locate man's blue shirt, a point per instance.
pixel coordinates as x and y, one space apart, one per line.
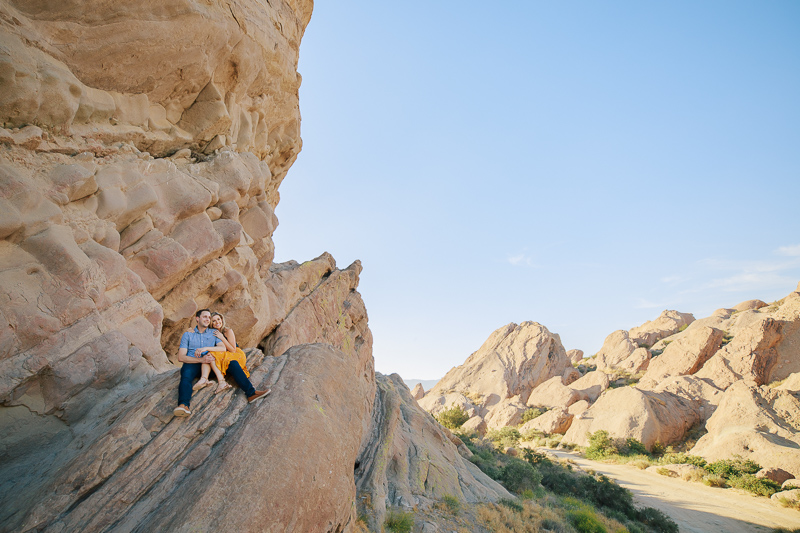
192 340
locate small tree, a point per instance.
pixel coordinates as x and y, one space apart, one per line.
453 418
532 413
600 445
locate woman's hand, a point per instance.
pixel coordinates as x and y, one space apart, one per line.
218 334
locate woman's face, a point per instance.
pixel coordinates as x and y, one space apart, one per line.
216 322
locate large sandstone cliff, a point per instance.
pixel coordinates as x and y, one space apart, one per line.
142 145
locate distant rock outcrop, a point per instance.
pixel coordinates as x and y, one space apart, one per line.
500 376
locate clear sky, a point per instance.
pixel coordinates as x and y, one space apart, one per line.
581 164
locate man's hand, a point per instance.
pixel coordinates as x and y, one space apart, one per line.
208 358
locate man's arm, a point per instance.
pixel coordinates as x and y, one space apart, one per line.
183 358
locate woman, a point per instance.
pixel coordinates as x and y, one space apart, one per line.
232 351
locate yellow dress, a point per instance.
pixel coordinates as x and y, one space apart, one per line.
224 359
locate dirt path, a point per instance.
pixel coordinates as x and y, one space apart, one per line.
694 506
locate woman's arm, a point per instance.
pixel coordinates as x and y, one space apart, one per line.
229 346
230 340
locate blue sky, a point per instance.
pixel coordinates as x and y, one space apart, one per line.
584 165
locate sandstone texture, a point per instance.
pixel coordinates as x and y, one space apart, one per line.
553 421
142 147
418 393
411 461
500 376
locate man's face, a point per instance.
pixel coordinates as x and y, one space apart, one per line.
204 319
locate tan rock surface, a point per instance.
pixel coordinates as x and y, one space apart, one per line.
409 459
616 347
685 355
575 356
592 384
749 305
553 421
553 393
629 412
578 407
667 323
758 423
778 475
418 393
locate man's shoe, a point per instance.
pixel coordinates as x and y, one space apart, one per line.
258 395
181 411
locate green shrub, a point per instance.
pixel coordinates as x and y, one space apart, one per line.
585 521
683 327
714 480
682 459
534 457
729 468
451 503
518 475
453 418
399 522
511 504
504 437
634 447
656 520
600 445
657 448
532 413
750 483
664 471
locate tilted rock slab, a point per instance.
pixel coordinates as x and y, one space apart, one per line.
409 460
686 355
629 412
261 467
756 422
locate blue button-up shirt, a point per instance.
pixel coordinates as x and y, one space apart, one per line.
192 340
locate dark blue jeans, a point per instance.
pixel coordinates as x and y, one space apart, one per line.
191 371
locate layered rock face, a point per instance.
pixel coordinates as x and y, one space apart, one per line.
500 376
410 460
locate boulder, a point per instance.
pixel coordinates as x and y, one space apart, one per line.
778 475
756 422
475 424
554 394
592 385
685 355
628 412
638 361
616 347
512 362
667 323
578 407
789 484
575 356
436 404
570 375
553 421
791 497
409 460
418 393
699 393
749 305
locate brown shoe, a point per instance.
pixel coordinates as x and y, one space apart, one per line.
181 410
258 395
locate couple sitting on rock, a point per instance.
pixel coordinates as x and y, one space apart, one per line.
211 348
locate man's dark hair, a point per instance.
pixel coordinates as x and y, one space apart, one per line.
200 312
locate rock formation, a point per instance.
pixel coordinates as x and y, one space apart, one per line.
141 151
500 376
411 460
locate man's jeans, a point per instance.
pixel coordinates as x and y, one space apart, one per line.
191 371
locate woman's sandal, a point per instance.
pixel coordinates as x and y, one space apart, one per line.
201 384
222 387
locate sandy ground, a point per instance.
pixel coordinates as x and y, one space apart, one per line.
694 506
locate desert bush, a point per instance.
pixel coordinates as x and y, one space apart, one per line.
504 437
518 475
585 521
532 413
694 475
399 522
750 483
451 503
729 468
532 435
657 449
600 445
534 457
714 480
664 471
634 447
656 520
453 418
682 459
641 464
683 327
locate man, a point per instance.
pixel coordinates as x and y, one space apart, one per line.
193 352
